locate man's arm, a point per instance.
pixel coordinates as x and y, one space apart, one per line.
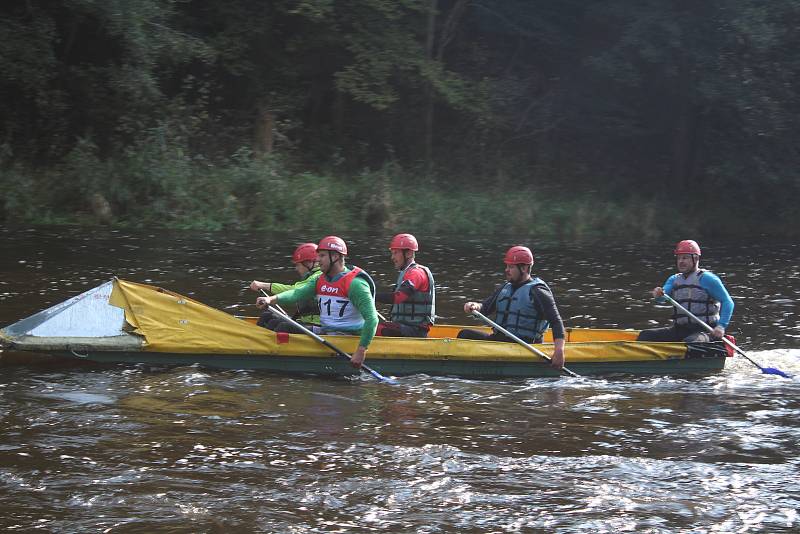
276 287
490 304
303 290
361 297
557 360
547 305
543 298
384 297
486 307
413 280
714 287
659 292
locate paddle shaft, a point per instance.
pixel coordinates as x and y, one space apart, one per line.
533 349
709 329
276 304
704 325
334 348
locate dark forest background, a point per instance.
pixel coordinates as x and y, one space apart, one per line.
569 117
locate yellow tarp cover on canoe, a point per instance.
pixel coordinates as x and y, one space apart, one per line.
170 322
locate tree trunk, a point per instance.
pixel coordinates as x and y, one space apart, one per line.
264 135
428 119
338 116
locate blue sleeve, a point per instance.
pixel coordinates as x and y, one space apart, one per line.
713 285
667 289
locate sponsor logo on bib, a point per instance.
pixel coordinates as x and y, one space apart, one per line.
329 289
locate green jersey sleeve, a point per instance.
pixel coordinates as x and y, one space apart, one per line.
361 297
303 290
278 288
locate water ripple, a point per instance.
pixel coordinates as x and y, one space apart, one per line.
152 449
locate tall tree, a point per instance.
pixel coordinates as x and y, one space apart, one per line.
78 67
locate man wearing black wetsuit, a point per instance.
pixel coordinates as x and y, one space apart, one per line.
524 306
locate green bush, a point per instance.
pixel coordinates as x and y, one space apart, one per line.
157 184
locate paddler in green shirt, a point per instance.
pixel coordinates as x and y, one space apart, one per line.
307 312
346 297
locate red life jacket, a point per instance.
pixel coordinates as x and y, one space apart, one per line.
336 312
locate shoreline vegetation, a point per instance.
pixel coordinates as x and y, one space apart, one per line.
160 187
567 120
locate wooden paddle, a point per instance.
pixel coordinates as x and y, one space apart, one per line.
765 370
330 345
531 348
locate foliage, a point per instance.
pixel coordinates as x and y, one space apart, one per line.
154 185
137 111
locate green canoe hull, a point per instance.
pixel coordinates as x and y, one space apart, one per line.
333 366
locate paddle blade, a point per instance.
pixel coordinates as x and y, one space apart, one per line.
773 371
385 379
379 376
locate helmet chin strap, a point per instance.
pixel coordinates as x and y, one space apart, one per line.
406 259
331 262
522 273
695 265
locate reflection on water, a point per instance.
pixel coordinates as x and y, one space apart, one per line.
148 449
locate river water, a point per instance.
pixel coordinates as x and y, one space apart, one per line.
89 448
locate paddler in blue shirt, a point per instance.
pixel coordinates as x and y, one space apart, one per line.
699 291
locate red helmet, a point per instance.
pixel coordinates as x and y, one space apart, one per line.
305 252
404 241
519 254
687 246
333 243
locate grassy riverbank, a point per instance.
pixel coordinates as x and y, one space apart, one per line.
162 187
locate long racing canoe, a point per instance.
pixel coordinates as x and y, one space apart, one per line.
126 322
